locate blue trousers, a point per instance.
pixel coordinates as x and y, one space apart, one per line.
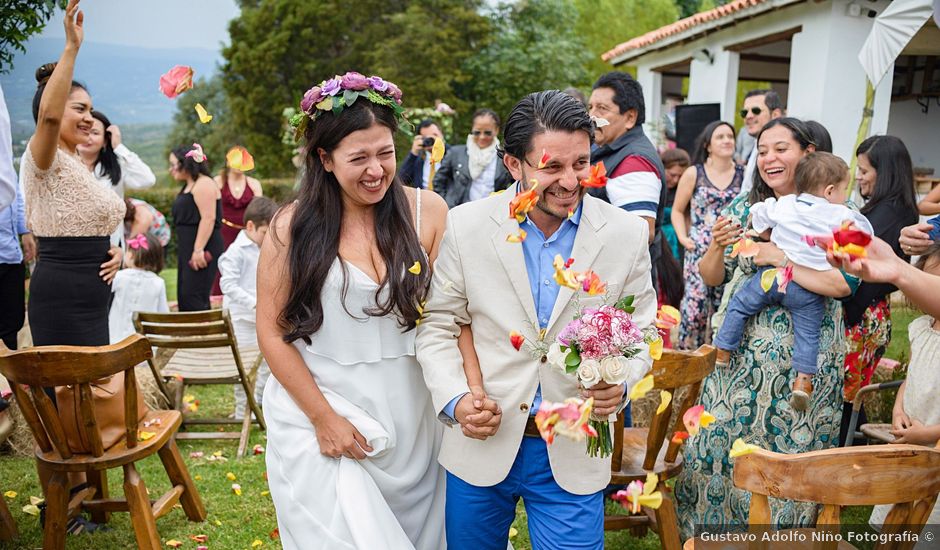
806 309
478 518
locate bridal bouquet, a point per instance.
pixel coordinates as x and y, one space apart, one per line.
599 346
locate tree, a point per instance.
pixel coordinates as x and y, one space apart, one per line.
20 19
217 136
605 23
534 47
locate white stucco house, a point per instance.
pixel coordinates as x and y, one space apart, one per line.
809 51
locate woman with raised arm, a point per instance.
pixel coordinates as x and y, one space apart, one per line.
67 209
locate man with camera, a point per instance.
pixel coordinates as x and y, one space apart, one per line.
416 167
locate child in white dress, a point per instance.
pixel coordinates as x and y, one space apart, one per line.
238 267
137 287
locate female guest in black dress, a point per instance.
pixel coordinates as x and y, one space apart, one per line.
197 217
70 213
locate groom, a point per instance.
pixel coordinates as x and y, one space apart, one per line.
496 455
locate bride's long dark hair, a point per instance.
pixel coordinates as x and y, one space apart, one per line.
315 229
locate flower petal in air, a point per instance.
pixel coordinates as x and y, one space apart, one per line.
544 160
204 116
642 387
176 81
598 177
516 340
740 448
696 418
767 279
240 159
516 237
196 153
748 248
656 349
415 268
592 284
664 399
437 151
848 234
523 202
679 437
667 317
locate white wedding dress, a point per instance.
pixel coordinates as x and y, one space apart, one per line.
366 368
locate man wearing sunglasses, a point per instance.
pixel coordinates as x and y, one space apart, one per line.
760 107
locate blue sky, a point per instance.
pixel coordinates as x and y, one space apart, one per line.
153 23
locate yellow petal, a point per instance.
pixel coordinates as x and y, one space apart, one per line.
656 349
36 501
197 477
144 436
740 448
437 151
652 480
173 543
265 493
31 509
671 312
204 116
230 476
10 494
256 543
513 532
219 523
767 279
237 489
653 501
705 419
415 268
641 388
664 399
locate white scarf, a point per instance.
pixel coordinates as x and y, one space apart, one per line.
480 158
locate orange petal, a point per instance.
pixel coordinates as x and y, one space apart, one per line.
748 248
544 160
516 237
679 437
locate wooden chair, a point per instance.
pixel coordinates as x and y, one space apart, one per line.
203 350
907 476
32 370
640 451
8 530
877 433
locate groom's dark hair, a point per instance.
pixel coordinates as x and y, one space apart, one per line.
538 112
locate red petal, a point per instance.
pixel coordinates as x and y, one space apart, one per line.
516 340
849 235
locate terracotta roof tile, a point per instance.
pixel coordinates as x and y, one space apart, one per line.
679 26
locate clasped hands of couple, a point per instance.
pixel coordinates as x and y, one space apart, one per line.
479 416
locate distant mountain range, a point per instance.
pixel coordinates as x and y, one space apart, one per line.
123 80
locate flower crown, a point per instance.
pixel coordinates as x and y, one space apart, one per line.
340 92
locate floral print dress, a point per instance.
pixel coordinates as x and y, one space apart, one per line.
750 400
700 301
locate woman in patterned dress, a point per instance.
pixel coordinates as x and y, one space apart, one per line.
712 182
749 398
886 180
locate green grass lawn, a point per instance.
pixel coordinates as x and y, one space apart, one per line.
235 521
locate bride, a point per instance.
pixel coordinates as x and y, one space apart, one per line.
352 437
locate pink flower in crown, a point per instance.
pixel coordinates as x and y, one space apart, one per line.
395 92
312 97
354 81
378 84
332 86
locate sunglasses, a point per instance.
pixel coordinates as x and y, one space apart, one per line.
755 110
487 133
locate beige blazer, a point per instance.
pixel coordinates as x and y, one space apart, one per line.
480 278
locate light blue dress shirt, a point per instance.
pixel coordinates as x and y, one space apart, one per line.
12 225
539 254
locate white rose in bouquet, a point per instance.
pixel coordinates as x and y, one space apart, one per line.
615 369
556 357
589 373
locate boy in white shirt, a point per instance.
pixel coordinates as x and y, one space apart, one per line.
816 209
238 267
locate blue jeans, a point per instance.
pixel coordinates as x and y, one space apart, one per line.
478 518
806 308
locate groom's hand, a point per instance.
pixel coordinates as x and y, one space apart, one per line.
478 422
607 397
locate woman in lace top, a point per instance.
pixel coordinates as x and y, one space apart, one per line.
70 213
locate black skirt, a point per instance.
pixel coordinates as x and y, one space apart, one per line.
68 300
